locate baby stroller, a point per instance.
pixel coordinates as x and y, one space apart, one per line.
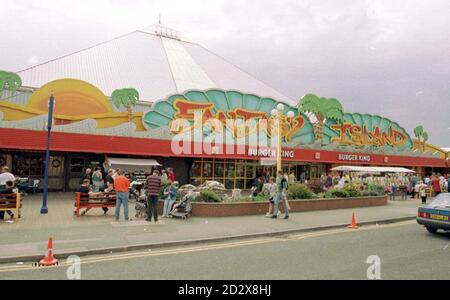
141 202
183 209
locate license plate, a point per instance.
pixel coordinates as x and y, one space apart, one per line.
439 217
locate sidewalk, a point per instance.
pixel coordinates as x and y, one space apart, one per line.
97 233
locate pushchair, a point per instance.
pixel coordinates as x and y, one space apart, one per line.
183 209
141 202
141 208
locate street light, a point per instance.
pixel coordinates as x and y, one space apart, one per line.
277 113
51 104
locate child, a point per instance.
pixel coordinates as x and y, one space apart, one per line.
423 192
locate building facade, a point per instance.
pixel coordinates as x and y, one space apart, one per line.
197 113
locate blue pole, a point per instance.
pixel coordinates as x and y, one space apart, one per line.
44 209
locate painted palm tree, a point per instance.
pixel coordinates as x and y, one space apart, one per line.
126 98
323 109
421 135
9 81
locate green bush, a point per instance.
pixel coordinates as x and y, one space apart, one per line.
374 190
299 191
258 198
207 196
367 193
337 193
353 190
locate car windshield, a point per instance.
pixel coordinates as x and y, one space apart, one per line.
442 200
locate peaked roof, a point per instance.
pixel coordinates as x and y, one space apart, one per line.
156 66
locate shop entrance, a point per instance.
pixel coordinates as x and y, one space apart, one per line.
76 168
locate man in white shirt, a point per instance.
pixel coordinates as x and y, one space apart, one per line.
6 176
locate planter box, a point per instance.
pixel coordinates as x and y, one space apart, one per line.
260 208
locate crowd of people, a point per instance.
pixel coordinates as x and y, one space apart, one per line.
160 183
404 184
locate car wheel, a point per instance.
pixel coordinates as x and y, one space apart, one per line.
431 229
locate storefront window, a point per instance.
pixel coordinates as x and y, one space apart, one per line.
219 169
240 184
207 170
240 169
196 170
230 170
76 165
28 165
250 170
229 184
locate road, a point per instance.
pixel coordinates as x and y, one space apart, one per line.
406 251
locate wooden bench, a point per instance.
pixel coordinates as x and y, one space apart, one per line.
83 200
10 202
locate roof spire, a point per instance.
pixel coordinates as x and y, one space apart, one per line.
164 31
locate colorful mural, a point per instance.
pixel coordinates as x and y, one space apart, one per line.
366 130
223 105
76 101
318 122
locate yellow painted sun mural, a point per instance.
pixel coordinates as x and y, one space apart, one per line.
75 100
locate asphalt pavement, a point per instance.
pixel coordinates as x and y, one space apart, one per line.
95 233
405 251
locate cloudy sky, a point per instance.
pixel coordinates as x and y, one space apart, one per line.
384 57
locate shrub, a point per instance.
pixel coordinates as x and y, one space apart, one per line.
258 198
316 186
352 189
207 196
374 190
337 193
299 191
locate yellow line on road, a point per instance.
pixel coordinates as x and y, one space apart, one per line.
206 247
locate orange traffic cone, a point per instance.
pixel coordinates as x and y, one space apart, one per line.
353 225
49 260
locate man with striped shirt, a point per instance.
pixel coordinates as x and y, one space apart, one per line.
153 186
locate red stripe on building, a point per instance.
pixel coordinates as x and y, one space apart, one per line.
19 139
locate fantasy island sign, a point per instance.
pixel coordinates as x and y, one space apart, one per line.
252 121
360 136
238 115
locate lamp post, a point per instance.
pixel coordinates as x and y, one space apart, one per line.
278 113
51 104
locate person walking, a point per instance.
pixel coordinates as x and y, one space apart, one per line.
121 186
282 184
153 187
171 197
272 190
435 183
423 192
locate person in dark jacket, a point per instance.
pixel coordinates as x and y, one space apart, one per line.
153 187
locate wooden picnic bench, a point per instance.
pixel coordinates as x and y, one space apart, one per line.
10 202
83 200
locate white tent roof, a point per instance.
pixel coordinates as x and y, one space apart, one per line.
372 169
131 164
156 66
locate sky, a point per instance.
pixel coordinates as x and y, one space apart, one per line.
390 58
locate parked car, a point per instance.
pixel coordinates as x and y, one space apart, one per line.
435 215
